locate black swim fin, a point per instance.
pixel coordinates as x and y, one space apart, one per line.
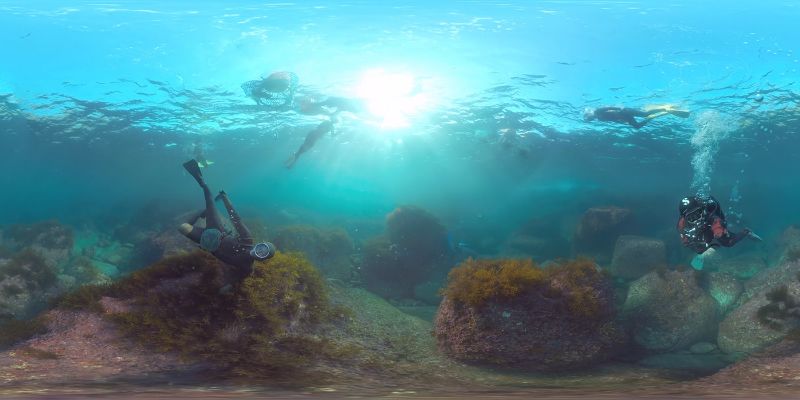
193 168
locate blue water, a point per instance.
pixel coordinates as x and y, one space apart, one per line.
474 110
119 91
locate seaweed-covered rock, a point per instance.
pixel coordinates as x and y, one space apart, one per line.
598 231
742 331
668 311
51 240
328 249
415 246
725 289
512 313
261 325
634 256
769 279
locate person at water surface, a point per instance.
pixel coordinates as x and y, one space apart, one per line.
275 90
702 225
237 250
624 115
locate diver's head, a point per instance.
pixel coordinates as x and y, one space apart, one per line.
588 114
263 251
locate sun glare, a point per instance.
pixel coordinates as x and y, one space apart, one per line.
392 97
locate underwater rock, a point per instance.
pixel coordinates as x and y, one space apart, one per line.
668 311
171 243
743 266
328 249
702 348
51 240
787 247
414 248
512 313
413 229
26 284
769 279
725 289
634 256
598 230
741 331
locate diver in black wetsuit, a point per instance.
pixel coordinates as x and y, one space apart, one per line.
702 225
629 115
330 107
237 250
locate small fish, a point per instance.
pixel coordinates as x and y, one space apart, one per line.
25 35
168 145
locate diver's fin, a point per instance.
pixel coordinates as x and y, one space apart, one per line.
193 168
680 113
666 109
290 161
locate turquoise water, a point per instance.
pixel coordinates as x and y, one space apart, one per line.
472 111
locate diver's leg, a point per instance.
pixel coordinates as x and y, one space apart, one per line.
637 124
729 240
213 219
245 237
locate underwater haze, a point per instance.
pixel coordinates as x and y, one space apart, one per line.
448 132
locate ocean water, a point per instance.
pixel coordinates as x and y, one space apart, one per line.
470 110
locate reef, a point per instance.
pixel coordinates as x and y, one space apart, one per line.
412 251
511 313
330 250
26 284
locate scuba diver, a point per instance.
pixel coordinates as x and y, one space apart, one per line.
628 116
237 250
702 225
276 90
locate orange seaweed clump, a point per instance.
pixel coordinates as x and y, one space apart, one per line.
581 279
475 282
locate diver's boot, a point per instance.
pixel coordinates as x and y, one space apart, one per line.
193 168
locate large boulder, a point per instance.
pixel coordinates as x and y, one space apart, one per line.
414 248
725 289
742 266
741 331
668 311
634 256
511 313
598 230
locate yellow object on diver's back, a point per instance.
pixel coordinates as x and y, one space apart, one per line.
205 163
